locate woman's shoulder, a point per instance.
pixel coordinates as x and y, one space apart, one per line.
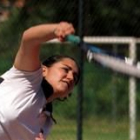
17 77
14 72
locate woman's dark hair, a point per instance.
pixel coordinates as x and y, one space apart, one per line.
56 58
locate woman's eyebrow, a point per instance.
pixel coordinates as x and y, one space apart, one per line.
68 66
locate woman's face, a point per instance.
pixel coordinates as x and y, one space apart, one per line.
62 76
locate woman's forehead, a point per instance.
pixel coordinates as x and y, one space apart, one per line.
69 63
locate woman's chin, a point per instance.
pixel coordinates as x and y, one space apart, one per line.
63 88
62 92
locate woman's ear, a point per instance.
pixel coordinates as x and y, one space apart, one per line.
44 70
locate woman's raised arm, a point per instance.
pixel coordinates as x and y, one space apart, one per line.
27 58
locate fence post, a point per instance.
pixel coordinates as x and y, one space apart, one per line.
80 87
132 94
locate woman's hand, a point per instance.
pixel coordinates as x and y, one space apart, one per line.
63 29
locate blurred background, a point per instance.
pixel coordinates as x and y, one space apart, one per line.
99 106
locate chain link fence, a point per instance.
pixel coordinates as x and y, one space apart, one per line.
105 102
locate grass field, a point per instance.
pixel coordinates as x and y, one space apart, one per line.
93 129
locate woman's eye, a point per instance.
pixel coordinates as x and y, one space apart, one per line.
66 69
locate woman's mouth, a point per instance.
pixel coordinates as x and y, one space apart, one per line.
67 83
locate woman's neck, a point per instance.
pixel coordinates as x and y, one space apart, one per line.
47 89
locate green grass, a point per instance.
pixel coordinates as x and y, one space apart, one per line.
93 129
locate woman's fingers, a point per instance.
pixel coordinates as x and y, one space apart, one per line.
63 29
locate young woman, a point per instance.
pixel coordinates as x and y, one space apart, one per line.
29 87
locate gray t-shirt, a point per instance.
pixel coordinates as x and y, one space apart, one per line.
21 102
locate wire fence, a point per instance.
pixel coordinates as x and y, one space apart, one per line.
104 111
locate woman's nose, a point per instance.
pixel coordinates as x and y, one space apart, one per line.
70 76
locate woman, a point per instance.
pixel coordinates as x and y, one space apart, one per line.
29 87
